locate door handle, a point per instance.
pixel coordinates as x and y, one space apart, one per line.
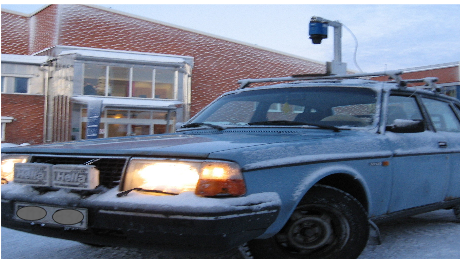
442 144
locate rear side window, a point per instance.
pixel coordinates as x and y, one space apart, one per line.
442 115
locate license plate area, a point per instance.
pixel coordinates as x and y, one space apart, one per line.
51 216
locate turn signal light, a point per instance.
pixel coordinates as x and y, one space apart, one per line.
220 179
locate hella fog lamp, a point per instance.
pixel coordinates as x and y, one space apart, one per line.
8 162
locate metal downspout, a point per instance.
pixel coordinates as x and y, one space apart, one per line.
45 109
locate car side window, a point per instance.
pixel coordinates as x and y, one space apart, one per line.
404 108
442 115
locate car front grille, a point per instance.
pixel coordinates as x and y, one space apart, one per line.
110 168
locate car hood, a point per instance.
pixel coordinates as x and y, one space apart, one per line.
246 147
189 144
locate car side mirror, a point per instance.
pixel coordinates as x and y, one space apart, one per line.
406 126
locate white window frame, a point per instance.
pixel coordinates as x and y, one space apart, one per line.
5 120
108 66
127 121
8 81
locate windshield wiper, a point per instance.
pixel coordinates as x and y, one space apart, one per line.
199 124
295 123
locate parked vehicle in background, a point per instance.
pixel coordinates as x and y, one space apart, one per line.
301 169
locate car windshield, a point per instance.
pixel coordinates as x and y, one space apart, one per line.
293 106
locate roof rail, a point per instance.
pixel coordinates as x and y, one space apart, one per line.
394 74
429 81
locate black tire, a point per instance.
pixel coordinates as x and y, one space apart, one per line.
327 224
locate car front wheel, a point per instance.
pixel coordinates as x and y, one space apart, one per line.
328 223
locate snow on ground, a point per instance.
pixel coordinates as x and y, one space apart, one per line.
434 235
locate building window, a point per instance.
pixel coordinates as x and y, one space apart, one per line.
140 82
119 81
94 83
120 122
164 84
21 85
17 85
143 83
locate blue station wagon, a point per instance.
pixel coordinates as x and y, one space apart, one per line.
300 167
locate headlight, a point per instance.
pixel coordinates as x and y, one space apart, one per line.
8 162
176 176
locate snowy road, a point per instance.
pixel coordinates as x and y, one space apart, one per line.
434 235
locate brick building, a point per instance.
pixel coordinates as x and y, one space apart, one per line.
138 76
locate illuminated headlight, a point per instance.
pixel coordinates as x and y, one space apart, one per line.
205 178
8 162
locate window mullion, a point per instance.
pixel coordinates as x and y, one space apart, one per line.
176 84
130 82
153 83
107 74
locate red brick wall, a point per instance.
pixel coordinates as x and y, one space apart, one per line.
27 111
44 34
445 75
15 34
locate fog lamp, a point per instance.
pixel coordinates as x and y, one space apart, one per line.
8 162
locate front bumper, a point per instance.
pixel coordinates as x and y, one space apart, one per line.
184 222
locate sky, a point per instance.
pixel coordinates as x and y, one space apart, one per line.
386 36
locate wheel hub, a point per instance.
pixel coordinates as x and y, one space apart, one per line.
309 232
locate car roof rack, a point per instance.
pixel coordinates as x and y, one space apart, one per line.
393 74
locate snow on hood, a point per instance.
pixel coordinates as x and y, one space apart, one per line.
251 149
188 145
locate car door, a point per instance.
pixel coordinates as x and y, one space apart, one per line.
445 117
420 163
